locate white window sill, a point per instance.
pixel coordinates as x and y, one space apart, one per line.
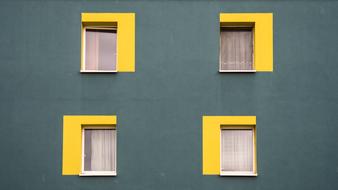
247 174
237 71
97 173
98 71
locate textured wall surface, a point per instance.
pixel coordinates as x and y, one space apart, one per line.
160 106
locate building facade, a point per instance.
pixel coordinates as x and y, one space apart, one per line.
171 97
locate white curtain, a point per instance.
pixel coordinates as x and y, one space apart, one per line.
101 151
100 49
236 50
237 150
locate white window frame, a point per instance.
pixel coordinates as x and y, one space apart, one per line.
253 51
97 173
254 162
83 66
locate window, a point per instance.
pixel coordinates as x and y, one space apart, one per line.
236 51
82 135
237 150
229 145
98 150
100 49
246 42
107 42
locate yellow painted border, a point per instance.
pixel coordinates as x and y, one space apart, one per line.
211 129
72 146
263 35
125 23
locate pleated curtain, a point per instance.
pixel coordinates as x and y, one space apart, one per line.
237 150
100 149
236 50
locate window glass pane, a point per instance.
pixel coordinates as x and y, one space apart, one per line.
237 150
91 51
236 49
99 150
100 49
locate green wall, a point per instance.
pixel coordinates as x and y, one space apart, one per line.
160 106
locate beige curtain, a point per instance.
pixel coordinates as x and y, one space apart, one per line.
237 150
236 49
100 50
100 149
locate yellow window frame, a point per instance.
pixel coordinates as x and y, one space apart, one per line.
72 139
262 24
125 23
211 142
